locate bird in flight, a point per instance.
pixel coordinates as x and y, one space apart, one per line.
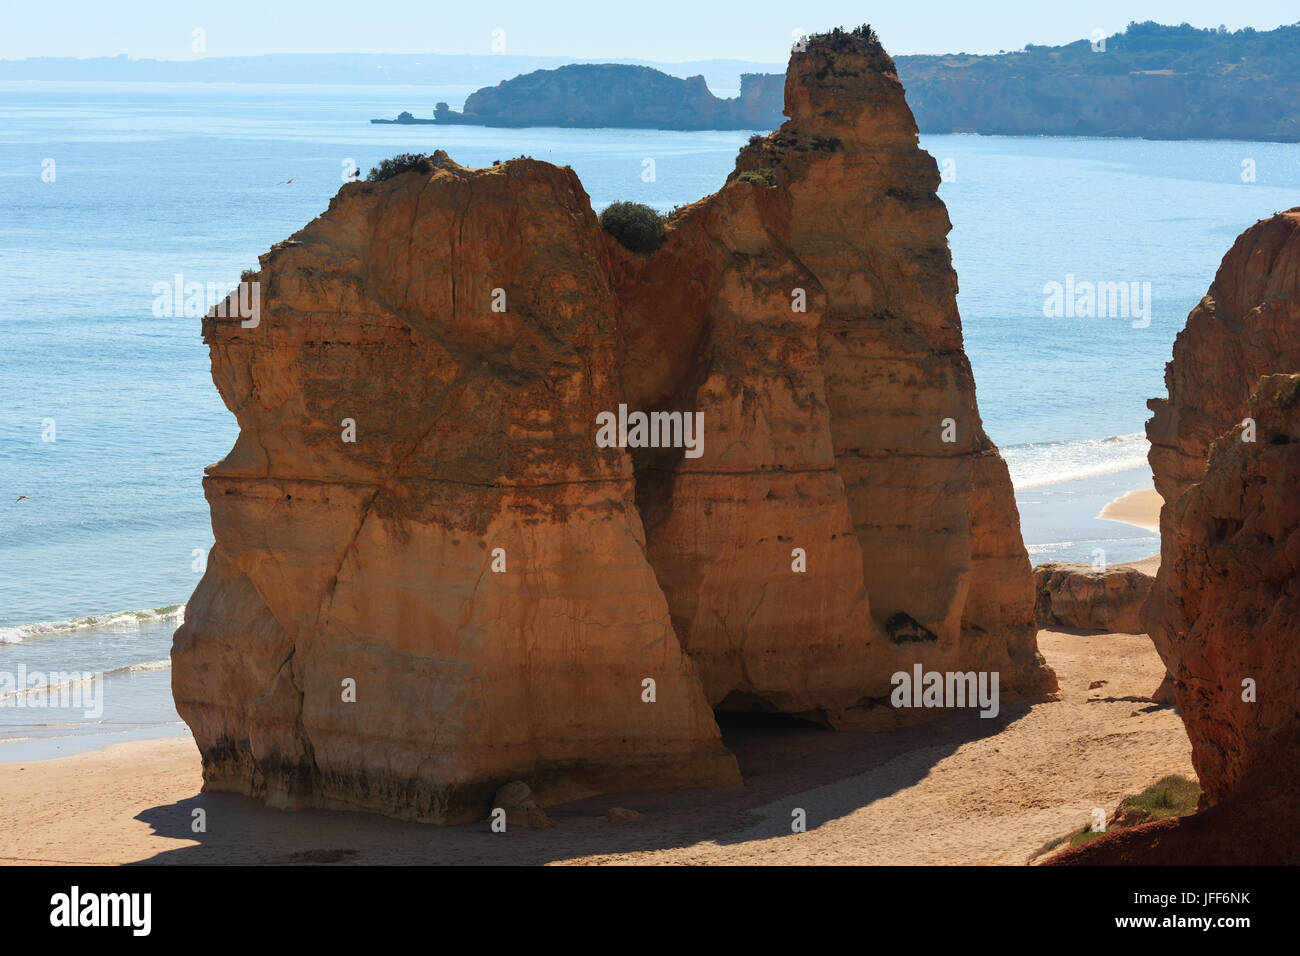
22 498
285 182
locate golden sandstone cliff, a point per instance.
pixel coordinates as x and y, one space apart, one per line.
475 590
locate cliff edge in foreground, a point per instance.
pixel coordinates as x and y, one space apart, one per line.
431 576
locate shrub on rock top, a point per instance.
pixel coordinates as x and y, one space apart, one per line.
401 163
635 225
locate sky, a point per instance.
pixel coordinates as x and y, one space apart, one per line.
664 30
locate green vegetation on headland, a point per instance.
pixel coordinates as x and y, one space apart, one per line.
1153 81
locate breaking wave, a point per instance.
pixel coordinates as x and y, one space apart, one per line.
122 619
1036 464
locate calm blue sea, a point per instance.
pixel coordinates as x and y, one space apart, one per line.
154 180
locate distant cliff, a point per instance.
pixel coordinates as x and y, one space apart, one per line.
1152 81
617 95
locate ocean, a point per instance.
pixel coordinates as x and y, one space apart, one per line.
108 414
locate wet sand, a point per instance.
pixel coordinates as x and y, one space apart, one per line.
1139 508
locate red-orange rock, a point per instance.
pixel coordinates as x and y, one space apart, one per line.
1247 325
825 430
1225 522
1231 598
1224 611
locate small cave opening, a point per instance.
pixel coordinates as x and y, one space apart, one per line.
765 742
740 714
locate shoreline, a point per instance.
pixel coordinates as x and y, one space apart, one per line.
918 795
1139 508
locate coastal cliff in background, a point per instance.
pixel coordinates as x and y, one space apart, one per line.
1151 81
1224 611
616 95
497 587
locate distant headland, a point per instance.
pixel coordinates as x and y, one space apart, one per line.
598 95
1151 81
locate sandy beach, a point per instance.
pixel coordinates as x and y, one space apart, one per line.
1140 508
961 791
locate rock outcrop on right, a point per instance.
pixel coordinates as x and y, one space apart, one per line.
1224 612
1248 325
1232 598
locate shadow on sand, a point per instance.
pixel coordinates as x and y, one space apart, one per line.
786 764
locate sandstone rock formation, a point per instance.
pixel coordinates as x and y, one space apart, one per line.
1224 611
1080 596
1231 599
1247 325
500 588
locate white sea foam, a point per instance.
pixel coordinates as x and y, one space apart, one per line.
81 679
122 619
1049 463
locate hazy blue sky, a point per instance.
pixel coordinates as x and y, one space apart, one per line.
648 29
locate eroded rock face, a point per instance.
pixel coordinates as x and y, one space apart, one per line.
1232 605
1247 325
1224 611
1079 596
1223 530
1232 598
500 588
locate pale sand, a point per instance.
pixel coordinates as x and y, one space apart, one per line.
1139 508
964 790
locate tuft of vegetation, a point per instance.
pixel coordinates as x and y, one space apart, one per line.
839 34
402 163
763 176
248 275
1171 796
635 225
